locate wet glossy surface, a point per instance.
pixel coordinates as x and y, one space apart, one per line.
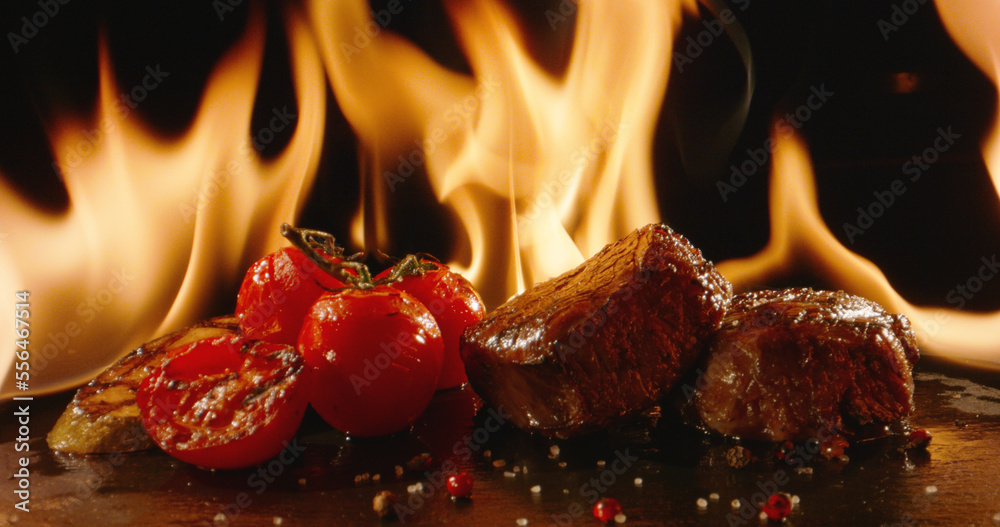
879 485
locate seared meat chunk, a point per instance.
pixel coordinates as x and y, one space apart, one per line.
786 364
601 342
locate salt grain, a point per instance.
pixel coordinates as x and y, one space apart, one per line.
277 520
637 482
562 464
565 491
499 463
537 489
931 489
522 521
517 469
600 464
996 518
620 518
714 496
763 516
554 450
221 519
735 504
377 478
804 471
509 474
702 503
796 499
399 471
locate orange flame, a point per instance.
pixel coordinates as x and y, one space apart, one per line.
153 226
800 238
518 154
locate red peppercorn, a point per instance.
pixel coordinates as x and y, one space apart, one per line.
460 485
778 506
919 438
606 509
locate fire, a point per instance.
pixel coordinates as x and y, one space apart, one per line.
800 238
541 170
154 226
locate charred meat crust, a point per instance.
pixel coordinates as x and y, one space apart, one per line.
788 363
603 341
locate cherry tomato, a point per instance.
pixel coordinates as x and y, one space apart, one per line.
606 509
276 294
374 358
455 305
224 402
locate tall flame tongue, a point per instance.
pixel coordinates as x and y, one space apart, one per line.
154 226
540 170
800 238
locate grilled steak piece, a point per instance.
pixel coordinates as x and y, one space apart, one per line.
787 364
602 342
103 416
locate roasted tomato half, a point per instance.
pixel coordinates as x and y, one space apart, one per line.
225 402
374 359
276 294
455 305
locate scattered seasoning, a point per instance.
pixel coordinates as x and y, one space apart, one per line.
554 451
931 489
738 457
735 504
460 485
600 463
762 516
362 478
376 478
565 491
517 469
420 462
804 471
833 447
620 518
785 450
277 520
499 463
415 488
702 503
487 454
845 459
996 518
221 519
524 469
509 474
562 464
384 504
537 489
606 509
399 471
637 482
714 496
795 500
778 506
522 521
302 482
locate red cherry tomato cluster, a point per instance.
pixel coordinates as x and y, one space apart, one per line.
315 328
